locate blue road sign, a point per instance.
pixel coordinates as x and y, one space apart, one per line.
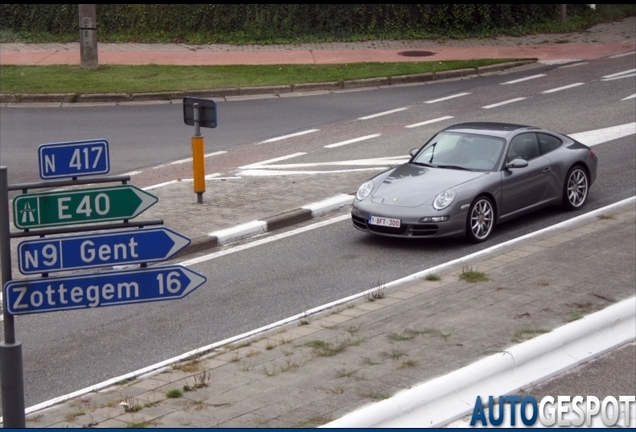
73 159
30 296
99 250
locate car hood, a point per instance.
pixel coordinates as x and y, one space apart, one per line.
412 185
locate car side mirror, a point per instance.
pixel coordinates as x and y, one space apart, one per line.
414 152
517 163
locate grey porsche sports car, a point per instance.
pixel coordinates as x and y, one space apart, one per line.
470 177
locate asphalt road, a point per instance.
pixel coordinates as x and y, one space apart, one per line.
248 289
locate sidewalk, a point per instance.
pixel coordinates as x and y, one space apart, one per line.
319 367
599 41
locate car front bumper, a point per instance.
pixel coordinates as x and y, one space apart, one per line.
411 225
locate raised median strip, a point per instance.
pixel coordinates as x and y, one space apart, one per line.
271 223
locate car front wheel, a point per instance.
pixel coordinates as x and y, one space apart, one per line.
575 188
481 220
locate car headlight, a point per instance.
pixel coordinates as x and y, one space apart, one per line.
444 199
364 190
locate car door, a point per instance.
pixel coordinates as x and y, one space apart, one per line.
523 188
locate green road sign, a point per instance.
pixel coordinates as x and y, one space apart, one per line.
80 206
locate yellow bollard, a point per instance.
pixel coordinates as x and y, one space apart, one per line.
198 167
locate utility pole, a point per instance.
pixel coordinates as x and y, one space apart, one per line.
88 36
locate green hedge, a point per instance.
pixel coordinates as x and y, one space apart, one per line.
264 22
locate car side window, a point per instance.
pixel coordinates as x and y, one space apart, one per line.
547 143
523 146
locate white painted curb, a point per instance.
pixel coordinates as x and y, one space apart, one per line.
321 207
447 398
239 232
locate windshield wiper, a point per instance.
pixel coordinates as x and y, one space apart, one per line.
457 167
422 164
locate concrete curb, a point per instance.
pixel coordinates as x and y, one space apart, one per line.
271 223
261 90
447 398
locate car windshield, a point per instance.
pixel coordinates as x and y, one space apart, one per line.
461 151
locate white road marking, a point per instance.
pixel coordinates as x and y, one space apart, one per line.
562 88
354 140
389 160
160 185
132 173
629 97
599 136
289 136
382 113
270 173
260 164
523 79
619 77
439 119
263 241
504 103
622 55
620 73
214 154
573 65
446 98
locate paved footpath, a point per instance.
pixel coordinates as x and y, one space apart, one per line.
319 367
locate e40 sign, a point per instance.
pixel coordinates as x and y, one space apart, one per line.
80 206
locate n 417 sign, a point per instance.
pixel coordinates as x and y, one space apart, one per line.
73 159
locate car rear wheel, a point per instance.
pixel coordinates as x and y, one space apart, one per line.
481 220
575 188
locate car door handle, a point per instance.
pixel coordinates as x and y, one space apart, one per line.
547 169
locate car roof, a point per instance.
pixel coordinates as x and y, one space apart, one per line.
486 128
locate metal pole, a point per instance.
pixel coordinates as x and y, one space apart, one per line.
198 160
10 350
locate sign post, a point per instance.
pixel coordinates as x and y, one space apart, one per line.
55 254
13 415
199 113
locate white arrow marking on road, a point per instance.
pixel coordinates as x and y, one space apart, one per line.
620 73
390 160
269 173
599 136
619 77
259 164
629 97
562 88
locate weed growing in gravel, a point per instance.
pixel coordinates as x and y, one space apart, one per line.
472 276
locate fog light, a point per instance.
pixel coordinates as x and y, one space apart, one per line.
434 219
